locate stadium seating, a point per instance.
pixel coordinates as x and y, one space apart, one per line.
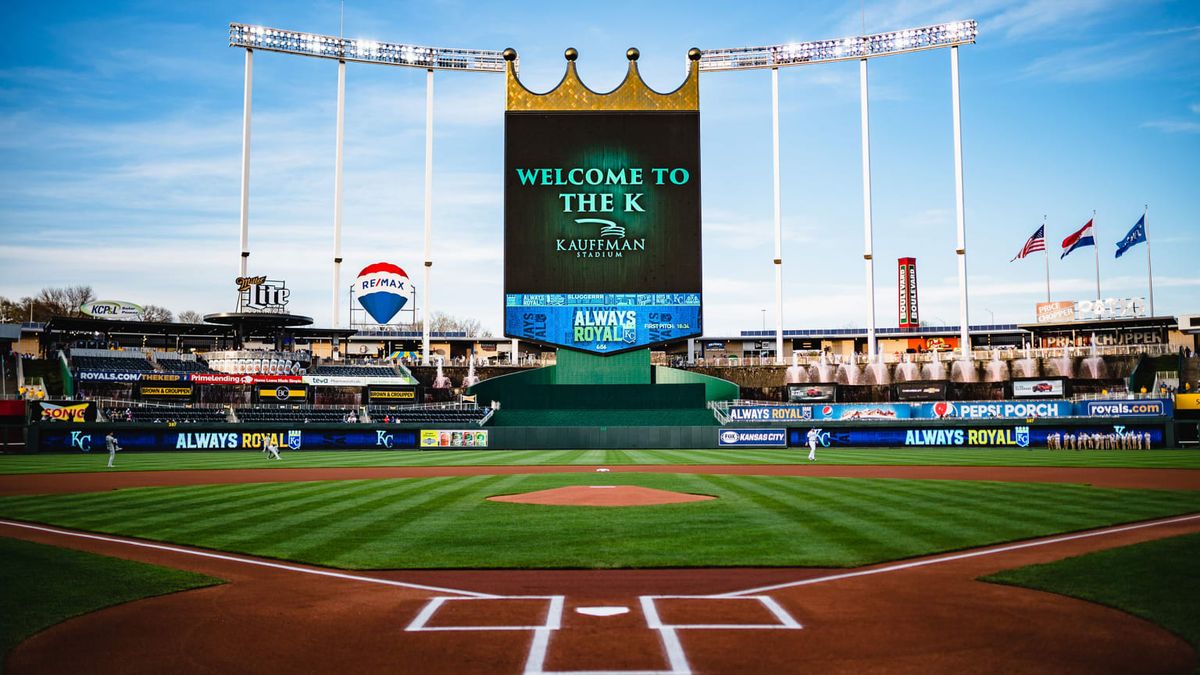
354 371
410 415
293 415
166 415
113 364
181 366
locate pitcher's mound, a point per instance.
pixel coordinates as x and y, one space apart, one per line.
601 495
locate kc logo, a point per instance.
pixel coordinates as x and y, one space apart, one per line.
383 439
81 440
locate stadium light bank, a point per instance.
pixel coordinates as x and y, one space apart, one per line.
860 48
342 49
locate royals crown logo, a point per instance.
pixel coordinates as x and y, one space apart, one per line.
632 94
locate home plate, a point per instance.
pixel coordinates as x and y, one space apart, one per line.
602 611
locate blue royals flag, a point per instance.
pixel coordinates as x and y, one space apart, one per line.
1136 236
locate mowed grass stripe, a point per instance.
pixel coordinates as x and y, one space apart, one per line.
134 461
446 522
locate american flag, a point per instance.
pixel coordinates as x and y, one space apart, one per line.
1036 243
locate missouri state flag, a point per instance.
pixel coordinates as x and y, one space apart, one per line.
1083 237
1136 236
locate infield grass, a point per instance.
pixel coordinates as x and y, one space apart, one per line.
43 585
446 522
1155 580
167 461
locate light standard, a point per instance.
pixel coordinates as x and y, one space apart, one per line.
764 320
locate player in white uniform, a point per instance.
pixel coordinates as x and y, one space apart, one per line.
813 436
272 450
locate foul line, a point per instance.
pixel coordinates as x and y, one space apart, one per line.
956 556
247 561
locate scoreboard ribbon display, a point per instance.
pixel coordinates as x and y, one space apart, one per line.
602 228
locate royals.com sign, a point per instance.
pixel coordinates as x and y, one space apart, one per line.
1132 408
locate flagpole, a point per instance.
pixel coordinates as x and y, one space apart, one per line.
1096 247
1046 251
1149 267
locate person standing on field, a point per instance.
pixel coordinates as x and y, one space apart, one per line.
813 435
272 450
110 443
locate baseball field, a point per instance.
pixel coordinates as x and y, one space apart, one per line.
569 561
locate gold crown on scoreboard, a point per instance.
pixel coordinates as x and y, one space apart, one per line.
632 94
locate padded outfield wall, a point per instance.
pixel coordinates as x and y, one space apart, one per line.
79 438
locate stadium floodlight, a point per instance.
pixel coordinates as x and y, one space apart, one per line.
365 51
860 48
905 41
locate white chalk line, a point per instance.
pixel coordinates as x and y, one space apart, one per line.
957 556
245 561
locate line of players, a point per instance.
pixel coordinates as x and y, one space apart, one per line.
1130 440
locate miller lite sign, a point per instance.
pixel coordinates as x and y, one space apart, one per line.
259 294
907 286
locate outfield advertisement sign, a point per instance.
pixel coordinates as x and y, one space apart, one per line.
454 438
1131 408
602 228
63 411
106 376
969 410
862 411
815 393
770 413
921 391
348 381
1016 436
239 438
752 438
1039 388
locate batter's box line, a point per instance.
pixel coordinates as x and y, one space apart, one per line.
553 615
786 622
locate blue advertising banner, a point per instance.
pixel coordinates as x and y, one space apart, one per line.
1131 408
978 410
1019 436
602 322
770 413
862 411
175 438
752 438
106 376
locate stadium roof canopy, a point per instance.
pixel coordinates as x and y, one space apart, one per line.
65 324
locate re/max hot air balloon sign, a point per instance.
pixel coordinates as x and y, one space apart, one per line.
383 289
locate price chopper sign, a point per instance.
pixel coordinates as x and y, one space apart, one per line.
259 294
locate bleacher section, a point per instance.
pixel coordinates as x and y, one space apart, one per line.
135 364
179 366
419 415
165 415
293 415
354 371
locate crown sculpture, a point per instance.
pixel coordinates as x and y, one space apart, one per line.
632 94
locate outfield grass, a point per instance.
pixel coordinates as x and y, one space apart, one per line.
160 461
1155 580
447 523
42 585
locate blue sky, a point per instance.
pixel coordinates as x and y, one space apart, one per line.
120 147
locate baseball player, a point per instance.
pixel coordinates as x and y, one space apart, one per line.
272 449
813 436
110 442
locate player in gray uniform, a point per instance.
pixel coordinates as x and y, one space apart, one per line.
110 443
813 436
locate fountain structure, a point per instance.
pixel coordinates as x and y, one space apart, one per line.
1026 366
1061 366
906 370
822 371
1093 366
471 379
934 370
440 381
849 373
996 370
877 371
796 373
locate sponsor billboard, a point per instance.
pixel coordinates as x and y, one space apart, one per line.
454 438
240 437
1187 401
752 438
383 289
1055 312
978 410
920 391
816 393
260 294
282 393
113 309
1122 408
907 288
385 395
1032 387
350 381
1015 436
861 411
602 228
770 413
173 392
106 376
63 411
